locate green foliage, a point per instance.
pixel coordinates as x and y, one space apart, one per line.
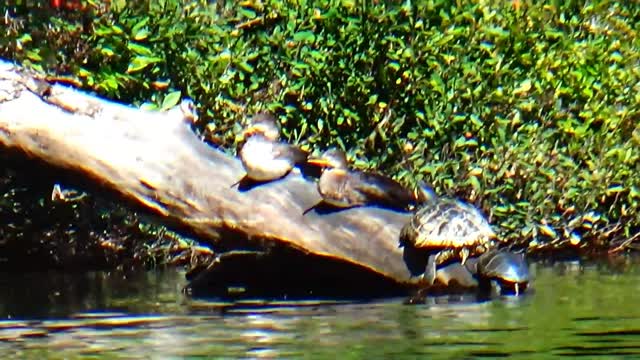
528 110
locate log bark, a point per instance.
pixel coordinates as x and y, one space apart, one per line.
155 160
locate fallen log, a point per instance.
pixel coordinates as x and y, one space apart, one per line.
155 160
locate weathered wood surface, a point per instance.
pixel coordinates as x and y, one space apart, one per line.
155 160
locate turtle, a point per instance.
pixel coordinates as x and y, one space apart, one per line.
508 269
446 229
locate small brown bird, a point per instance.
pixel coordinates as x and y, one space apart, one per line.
263 156
341 187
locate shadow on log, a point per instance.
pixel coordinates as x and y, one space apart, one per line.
154 160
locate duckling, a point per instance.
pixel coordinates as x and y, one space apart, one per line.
263 156
344 188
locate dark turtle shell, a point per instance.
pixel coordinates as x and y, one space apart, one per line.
447 223
510 270
451 228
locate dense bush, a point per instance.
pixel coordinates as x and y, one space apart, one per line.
528 110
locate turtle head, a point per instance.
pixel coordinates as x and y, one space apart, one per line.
263 124
332 159
509 269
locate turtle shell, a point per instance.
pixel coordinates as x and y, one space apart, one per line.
448 224
505 266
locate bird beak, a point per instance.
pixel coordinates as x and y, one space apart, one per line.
251 130
318 162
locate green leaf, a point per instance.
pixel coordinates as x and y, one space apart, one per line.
547 230
33 55
117 30
304 36
245 66
138 31
141 62
476 121
149 106
496 31
248 13
108 52
318 55
171 100
437 84
24 39
141 35
139 49
139 25
104 31
474 183
614 189
524 87
501 209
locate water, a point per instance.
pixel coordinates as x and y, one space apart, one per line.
573 310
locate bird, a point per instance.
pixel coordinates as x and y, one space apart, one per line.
342 187
263 156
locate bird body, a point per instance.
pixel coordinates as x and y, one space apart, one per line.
334 186
265 160
263 156
341 187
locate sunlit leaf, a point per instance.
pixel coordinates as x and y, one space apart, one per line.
547 230
141 62
245 66
171 100
304 36
139 49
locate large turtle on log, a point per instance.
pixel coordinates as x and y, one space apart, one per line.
446 229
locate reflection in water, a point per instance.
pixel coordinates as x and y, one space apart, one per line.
574 311
56 294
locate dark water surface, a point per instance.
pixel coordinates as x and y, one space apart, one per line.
574 310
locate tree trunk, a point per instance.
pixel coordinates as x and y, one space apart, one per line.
154 159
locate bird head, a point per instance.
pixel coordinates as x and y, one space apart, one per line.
263 124
332 159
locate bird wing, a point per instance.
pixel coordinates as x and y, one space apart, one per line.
382 190
290 152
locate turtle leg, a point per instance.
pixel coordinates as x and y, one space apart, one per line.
430 270
464 255
429 276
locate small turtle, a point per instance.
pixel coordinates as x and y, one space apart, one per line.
447 229
510 270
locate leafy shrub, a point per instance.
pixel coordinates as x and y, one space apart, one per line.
530 111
